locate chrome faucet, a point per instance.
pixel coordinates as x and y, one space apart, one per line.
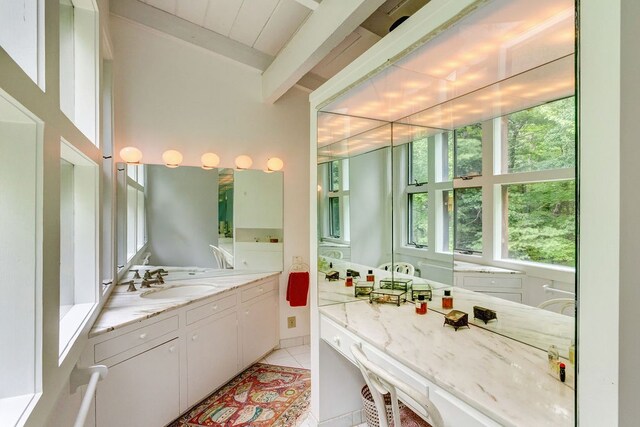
132 286
146 283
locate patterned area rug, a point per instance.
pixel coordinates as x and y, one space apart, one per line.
263 395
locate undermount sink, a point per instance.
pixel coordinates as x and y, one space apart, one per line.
178 291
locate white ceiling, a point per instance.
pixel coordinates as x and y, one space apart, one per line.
507 56
265 25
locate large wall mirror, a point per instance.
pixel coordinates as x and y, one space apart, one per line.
461 174
192 218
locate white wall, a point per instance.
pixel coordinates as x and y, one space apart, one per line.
171 94
182 215
370 207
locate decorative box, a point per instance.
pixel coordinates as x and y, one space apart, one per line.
393 296
418 289
396 284
362 288
484 314
457 319
332 275
354 273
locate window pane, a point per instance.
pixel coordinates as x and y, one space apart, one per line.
418 220
334 216
140 240
132 207
67 274
468 219
450 155
418 157
541 222
447 221
334 175
541 138
468 150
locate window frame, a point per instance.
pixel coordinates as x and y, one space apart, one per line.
327 194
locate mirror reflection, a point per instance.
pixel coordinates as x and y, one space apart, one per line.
189 218
484 209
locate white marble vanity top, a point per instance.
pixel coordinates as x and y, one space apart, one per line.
124 308
503 378
471 267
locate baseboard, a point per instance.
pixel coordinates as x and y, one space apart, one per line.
352 419
294 342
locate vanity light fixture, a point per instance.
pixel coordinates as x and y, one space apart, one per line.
243 162
209 161
274 164
172 158
131 155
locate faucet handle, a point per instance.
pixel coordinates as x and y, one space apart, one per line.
159 278
136 274
147 275
132 286
145 284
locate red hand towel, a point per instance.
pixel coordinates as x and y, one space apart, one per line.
298 288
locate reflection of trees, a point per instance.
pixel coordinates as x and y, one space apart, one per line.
468 150
468 226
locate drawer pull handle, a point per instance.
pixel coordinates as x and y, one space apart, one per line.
246 312
336 340
143 335
261 289
172 349
194 337
215 307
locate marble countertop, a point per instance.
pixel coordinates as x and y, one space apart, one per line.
470 267
124 308
501 377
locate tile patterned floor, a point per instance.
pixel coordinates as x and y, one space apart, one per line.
296 357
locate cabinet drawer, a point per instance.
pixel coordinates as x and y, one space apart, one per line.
337 337
131 339
210 309
492 282
258 290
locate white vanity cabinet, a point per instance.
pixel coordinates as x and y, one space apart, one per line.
143 390
502 283
259 322
212 355
161 366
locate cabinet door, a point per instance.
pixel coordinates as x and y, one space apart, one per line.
259 327
212 356
141 391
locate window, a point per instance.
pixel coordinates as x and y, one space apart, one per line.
467 147
447 221
78 242
20 259
468 220
136 235
334 204
541 138
418 162
418 219
22 35
334 217
79 65
539 222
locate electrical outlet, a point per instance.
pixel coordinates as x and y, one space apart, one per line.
297 260
291 322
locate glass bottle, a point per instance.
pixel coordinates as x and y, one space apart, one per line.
447 300
421 305
349 280
370 276
554 357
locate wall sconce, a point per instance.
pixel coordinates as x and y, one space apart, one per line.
172 158
131 155
274 164
243 162
209 160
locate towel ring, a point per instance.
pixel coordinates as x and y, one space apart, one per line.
299 267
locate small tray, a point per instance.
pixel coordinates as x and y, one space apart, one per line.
392 296
396 284
362 288
457 319
332 275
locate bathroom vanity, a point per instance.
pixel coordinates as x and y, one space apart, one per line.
170 346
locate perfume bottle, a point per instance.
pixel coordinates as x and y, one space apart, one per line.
370 276
349 280
447 300
562 372
554 357
421 305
